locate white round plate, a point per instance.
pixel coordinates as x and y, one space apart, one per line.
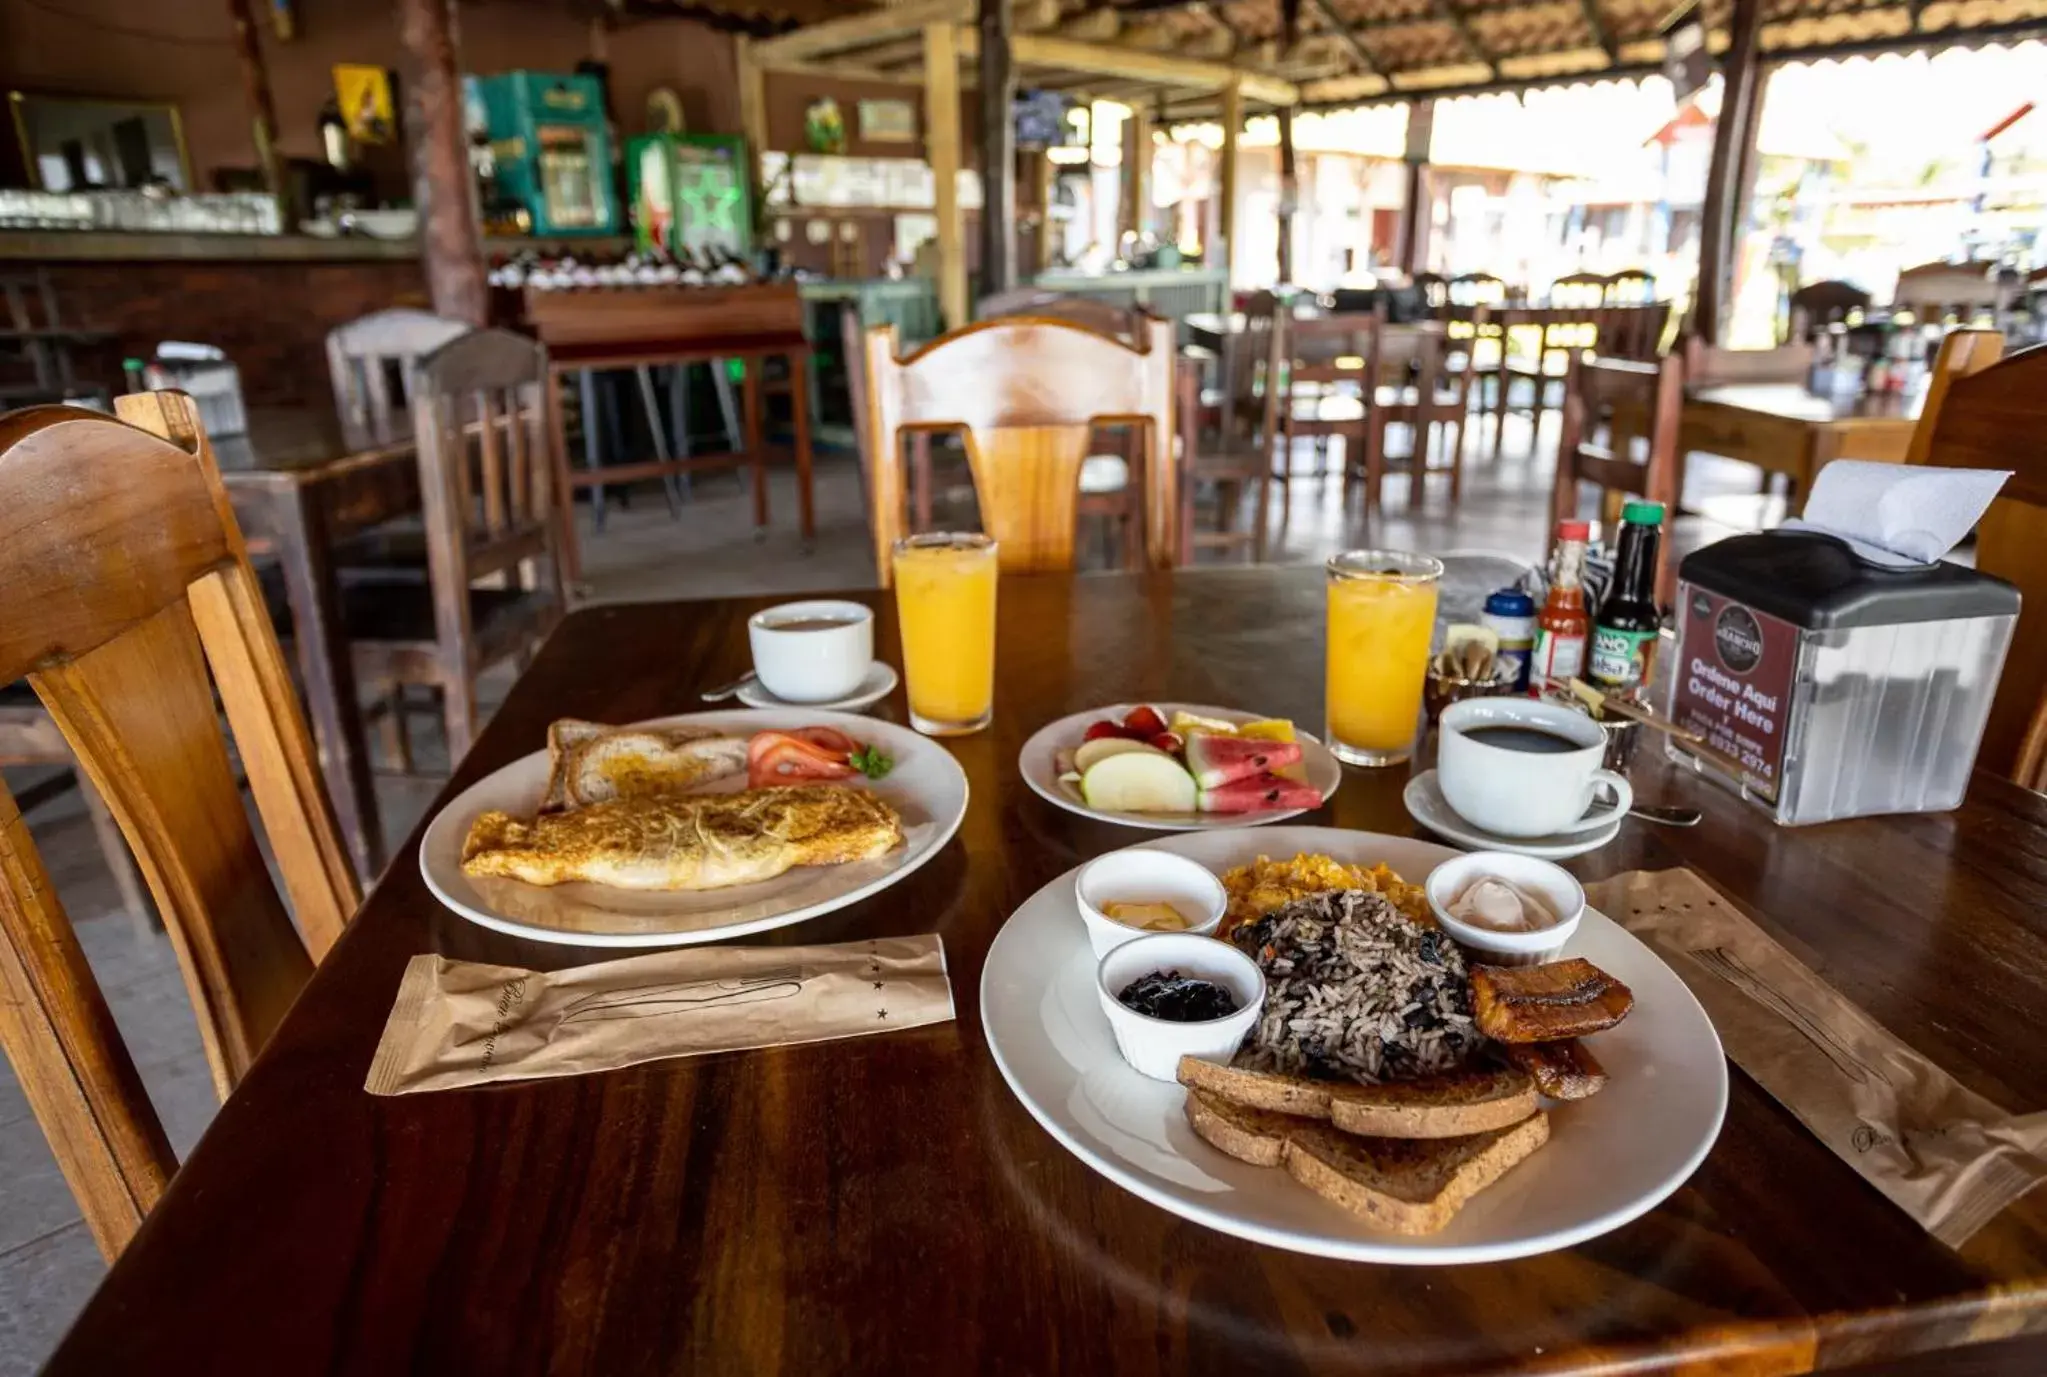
879 684
1609 1158
926 787
1427 806
1037 762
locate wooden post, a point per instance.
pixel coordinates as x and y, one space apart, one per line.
1135 191
1414 216
753 124
1226 177
262 109
998 151
1289 192
448 237
1733 134
942 139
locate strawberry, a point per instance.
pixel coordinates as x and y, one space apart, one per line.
1144 723
1169 742
1098 730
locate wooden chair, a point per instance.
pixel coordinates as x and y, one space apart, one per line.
1627 401
1238 459
492 515
36 336
1027 391
1710 365
1537 345
1815 306
1580 291
1966 292
1631 287
371 353
1326 381
1477 289
131 604
1984 411
1434 288
1413 383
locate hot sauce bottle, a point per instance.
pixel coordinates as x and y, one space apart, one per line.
1562 627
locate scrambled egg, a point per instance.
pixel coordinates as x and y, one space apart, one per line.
1257 889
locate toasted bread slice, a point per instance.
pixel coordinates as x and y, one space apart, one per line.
1562 1070
1469 1100
591 763
1405 1185
1547 1003
1472 1099
1266 1090
1257 1136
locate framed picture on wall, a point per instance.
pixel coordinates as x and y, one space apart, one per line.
888 121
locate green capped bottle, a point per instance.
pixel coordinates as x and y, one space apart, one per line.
1623 650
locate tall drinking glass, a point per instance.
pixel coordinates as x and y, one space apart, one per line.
945 604
1382 615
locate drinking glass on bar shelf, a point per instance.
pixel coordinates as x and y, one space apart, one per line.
945 605
1382 615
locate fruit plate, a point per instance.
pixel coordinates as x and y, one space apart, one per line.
1609 1158
1039 763
927 789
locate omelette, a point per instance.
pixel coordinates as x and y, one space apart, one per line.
670 842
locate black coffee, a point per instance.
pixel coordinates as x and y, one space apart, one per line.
1533 740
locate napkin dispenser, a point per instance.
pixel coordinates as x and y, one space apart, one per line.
1843 687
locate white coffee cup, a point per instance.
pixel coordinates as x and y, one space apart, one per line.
1521 793
812 652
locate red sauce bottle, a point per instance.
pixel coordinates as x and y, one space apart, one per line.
1562 627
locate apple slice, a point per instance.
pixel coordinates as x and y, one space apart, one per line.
1141 781
1102 747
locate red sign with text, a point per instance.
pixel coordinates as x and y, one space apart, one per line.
1734 682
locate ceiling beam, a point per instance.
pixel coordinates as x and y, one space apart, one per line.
1597 27
1334 23
1443 11
857 30
1142 65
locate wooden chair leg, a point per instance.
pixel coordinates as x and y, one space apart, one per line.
142 915
458 716
920 479
1456 451
1259 505
750 393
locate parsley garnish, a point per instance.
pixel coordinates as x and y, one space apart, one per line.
870 761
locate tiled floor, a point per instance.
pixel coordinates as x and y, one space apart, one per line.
48 1264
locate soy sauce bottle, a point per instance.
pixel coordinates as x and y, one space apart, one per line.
1623 649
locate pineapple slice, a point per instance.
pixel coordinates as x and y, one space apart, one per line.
1185 722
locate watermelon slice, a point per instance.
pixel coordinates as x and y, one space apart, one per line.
1258 794
1215 760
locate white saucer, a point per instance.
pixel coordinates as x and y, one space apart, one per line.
879 684
1425 803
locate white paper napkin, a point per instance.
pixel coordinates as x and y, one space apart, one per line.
1896 514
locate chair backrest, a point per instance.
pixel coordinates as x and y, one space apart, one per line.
1434 289
1817 305
854 351
1710 365
1630 287
485 466
366 356
130 605
1126 323
1256 363
1964 290
1477 289
1579 290
1026 391
1629 399
1984 411
31 301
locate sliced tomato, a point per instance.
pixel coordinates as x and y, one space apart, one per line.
829 738
785 758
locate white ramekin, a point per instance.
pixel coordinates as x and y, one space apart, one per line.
1450 879
1144 876
1154 1046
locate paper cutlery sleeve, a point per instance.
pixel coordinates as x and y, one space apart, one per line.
459 1023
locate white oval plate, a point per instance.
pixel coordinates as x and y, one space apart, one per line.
927 787
1036 761
1609 1158
1427 806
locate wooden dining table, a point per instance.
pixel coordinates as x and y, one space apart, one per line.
1788 428
885 1205
299 489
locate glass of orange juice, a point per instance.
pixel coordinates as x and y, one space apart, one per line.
945 605
1382 615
